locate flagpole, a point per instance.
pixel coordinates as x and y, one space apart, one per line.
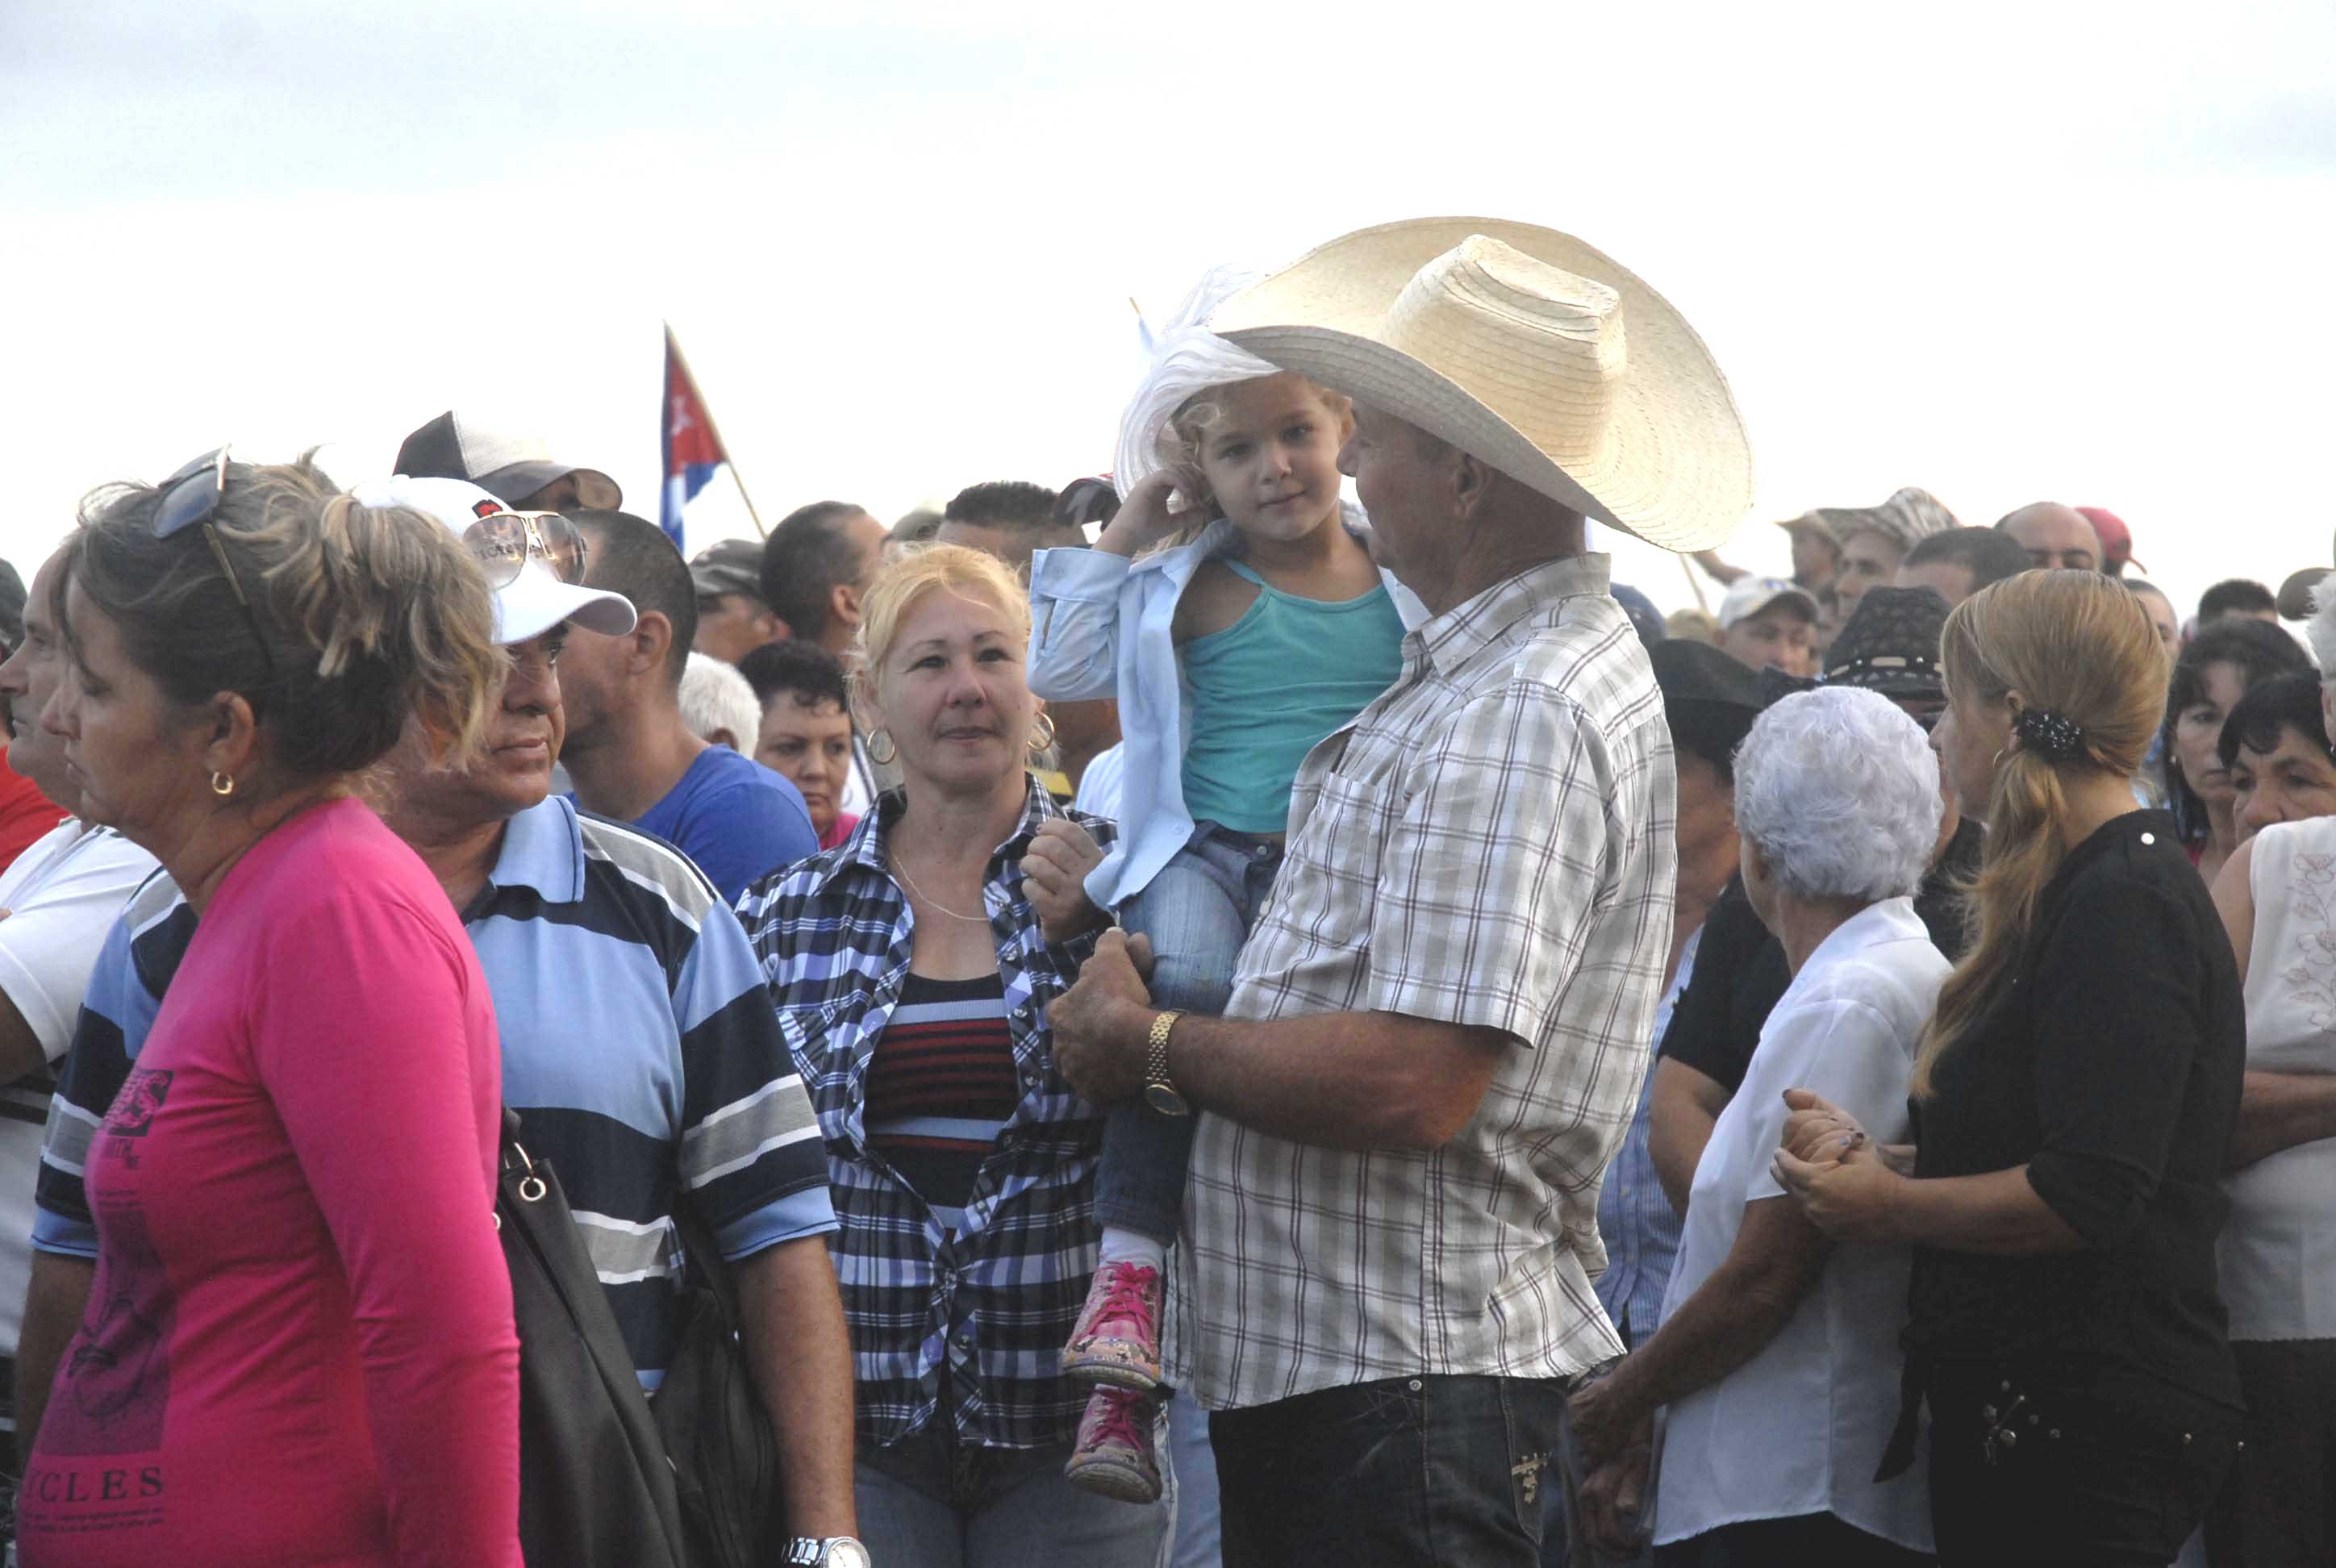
1694 585
673 346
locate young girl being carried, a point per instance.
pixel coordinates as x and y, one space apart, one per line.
1232 647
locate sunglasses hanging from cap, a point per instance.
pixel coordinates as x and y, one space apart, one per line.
191 496
503 541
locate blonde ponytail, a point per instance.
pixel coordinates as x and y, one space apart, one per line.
2076 645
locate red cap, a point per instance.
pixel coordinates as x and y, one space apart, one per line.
2116 539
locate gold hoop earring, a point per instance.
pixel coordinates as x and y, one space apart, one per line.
222 784
1040 741
892 747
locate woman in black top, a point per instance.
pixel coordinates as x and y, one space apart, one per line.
2073 1107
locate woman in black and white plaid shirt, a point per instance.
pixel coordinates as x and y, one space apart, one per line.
911 966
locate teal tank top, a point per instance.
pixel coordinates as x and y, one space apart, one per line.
1269 687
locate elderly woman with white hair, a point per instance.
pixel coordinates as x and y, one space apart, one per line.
719 704
1778 1357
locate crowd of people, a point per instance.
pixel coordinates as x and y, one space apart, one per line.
1196 1018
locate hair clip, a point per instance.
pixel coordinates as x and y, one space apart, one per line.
2040 729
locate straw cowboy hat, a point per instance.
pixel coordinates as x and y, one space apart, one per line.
1527 349
1910 514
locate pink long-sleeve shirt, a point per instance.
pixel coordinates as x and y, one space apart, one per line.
300 1345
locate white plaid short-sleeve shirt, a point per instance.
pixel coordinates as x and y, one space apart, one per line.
1491 843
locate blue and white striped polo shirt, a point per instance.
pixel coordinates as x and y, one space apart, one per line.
640 1050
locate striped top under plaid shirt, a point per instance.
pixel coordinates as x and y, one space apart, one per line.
637 1047
1490 843
998 1293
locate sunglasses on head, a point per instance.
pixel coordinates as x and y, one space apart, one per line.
190 497
503 541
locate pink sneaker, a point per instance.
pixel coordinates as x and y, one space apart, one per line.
1115 1455
1117 1339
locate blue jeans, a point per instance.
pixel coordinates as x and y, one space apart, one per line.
1193 1464
1407 1470
926 1501
1197 913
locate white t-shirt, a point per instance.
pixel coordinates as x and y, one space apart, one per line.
62 895
2278 1249
1098 793
1800 1427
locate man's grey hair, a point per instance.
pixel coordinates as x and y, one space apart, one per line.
1839 790
2320 629
716 702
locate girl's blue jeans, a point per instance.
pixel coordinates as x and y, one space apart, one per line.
1197 913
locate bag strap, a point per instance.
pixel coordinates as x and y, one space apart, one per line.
700 1252
698 1248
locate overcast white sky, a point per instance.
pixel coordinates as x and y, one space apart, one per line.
2005 252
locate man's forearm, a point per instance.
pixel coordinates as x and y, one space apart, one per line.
1776 1261
21 1052
1725 1324
1339 1080
55 1304
2280 1110
800 1357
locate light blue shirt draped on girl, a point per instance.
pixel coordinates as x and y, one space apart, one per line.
1082 603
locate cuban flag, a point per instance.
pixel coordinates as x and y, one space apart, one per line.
693 448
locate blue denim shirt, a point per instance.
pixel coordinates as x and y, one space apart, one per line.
1636 1221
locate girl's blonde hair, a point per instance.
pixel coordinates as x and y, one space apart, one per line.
907 577
2071 643
1186 434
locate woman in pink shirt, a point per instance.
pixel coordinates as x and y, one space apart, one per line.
299 1344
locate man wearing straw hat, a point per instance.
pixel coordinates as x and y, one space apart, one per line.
1438 1029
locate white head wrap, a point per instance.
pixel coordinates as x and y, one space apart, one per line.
1186 358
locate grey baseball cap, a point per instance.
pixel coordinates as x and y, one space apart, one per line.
508 467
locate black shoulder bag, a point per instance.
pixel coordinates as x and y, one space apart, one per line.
596 1489
725 1456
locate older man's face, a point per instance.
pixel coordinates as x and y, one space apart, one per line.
2160 611
1393 466
2056 536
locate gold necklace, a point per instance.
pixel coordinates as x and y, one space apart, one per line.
901 870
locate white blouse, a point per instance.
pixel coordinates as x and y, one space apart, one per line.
1801 1427
2278 1249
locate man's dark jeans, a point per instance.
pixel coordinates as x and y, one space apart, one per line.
1410 1470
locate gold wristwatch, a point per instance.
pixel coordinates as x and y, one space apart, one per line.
1160 1090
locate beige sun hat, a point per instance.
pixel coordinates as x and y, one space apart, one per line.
1526 348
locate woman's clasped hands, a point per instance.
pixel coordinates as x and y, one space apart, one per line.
1849 1186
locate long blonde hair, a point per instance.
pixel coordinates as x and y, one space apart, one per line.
2075 644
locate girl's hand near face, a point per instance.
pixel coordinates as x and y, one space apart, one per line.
1145 518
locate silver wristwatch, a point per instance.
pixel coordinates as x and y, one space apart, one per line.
835 1552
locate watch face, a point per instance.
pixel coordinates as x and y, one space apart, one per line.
1166 1100
847 1554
